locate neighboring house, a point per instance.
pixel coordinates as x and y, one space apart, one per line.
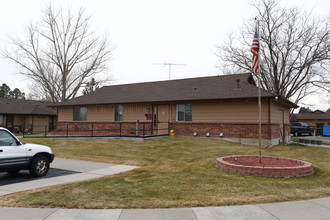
224 106
316 120
19 115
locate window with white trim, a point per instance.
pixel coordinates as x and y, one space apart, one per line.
80 114
184 112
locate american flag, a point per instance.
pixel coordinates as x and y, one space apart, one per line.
255 53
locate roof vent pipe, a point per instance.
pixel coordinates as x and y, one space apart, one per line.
237 84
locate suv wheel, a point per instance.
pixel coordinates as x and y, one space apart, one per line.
39 166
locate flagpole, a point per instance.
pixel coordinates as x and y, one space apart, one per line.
259 92
255 48
259 104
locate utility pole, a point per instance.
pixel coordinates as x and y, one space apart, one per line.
170 66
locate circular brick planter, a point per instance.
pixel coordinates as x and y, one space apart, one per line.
269 166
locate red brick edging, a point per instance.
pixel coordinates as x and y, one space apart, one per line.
269 167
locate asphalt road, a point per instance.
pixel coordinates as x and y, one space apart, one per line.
24 176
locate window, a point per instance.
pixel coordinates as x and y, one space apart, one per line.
184 112
119 109
80 114
6 139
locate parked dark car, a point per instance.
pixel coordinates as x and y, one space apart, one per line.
299 128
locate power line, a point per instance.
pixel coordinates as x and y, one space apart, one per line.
170 67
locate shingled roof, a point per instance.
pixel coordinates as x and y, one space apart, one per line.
312 116
193 89
25 107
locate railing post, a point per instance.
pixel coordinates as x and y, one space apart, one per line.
92 129
137 128
143 128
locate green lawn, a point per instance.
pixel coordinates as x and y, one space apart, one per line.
175 172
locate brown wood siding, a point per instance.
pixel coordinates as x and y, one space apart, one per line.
100 113
229 112
28 120
65 114
40 123
19 120
276 113
172 113
105 113
136 112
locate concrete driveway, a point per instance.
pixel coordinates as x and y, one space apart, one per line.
24 176
77 170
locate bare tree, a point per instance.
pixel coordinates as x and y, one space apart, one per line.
294 50
91 86
60 54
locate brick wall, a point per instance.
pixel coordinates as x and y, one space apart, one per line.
270 166
229 130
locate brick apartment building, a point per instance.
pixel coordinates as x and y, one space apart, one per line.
217 106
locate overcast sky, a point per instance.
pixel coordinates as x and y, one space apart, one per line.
144 32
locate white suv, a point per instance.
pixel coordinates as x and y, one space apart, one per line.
16 155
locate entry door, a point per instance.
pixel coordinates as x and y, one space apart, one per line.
163 118
51 124
10 122
154 119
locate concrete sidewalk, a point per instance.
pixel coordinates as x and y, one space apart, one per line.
315 209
